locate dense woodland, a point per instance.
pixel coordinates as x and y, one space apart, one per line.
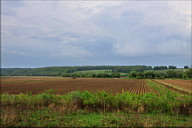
138 72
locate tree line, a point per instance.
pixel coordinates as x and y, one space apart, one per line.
137 75
95 75
162 75
137 71
59 71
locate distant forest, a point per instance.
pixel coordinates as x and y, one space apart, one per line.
59 71
138 71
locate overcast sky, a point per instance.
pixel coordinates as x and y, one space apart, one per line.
61 33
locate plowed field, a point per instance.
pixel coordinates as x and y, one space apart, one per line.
15 85
185 84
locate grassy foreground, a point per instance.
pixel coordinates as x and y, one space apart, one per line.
101 109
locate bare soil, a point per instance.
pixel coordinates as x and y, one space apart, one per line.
185 84
16 85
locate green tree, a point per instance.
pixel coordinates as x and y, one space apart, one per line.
187 74
172 67
171 74
149 75
186 67
140 75
132 74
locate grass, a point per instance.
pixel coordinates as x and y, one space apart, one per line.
99 109
51 118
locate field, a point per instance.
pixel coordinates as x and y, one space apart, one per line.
185 84
16 85
94 102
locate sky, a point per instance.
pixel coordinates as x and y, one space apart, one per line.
63 33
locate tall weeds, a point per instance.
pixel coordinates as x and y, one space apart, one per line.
103 101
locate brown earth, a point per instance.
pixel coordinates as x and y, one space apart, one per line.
28 78
185 84
62 85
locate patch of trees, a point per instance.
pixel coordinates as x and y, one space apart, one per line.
160 68
161 75
164 67
172 67
126 69
186 67
94 75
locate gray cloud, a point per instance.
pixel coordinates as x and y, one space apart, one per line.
84 33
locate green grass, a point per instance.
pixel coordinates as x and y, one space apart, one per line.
51 118
99 109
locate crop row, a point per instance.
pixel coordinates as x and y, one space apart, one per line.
173 88
139 87
152 86
136 86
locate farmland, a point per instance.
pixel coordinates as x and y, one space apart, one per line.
185 84
90 102
16 85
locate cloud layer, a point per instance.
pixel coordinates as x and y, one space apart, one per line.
55 33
